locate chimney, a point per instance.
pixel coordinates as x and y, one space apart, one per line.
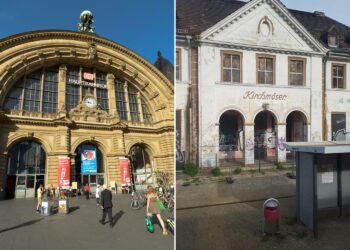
319 13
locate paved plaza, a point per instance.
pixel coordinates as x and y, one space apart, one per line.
22 228
218 215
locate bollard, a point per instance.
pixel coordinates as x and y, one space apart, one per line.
271 216
63 207
45 208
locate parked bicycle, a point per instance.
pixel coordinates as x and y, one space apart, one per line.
138 200
166 197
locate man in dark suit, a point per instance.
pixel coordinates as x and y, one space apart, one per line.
106 204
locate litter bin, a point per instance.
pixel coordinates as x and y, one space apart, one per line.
63 207
45 208
271 216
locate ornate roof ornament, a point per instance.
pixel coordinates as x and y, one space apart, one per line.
87 20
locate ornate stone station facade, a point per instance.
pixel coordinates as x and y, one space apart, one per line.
65 91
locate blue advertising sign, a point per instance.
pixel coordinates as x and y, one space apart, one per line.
88 162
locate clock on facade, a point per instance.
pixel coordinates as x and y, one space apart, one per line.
90 102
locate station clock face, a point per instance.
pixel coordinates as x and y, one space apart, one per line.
90 102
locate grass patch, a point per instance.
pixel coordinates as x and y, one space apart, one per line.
237 170
264 238
186 183
289 220
279 166
216 171
191 169
300 235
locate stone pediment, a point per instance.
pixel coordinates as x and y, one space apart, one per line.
85 114
263 24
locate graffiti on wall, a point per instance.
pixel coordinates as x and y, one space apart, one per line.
281 141
180 158
339 135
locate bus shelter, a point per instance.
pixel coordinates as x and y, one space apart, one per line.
322 180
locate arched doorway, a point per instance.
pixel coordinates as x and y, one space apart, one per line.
89 166
265 137
26 167
141 166
231 146
296 127
296 130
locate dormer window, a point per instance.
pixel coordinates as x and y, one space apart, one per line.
332 41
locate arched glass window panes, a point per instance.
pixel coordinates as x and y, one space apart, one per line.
134 110
121 102
35 92
131 104
79 81
27 157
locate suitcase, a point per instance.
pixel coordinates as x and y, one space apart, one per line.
149 224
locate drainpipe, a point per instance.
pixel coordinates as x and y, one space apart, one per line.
324 113
189 116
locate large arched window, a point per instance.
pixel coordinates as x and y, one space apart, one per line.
36 92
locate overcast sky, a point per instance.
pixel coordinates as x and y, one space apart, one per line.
336 9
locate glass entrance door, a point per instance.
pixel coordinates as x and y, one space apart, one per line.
27 185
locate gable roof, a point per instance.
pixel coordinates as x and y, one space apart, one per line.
195 16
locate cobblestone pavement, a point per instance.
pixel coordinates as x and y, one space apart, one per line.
229 216
22 228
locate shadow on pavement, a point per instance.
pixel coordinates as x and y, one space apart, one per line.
72 209
117 216
28 223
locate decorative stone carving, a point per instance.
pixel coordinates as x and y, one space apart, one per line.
83 113
135 73
154 95
92 51
145 84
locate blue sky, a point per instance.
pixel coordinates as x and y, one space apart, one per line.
335 9
144 26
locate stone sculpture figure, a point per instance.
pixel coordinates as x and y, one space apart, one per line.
86 19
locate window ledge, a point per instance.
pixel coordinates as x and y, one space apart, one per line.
262 85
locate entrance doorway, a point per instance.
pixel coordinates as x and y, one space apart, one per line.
265 137
296 131
231 146
141 167
25 169
92 178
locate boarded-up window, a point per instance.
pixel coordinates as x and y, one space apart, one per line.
338 127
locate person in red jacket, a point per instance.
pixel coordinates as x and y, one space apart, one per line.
87 190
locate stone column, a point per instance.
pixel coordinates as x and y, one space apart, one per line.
3 170
111 94
248 143
126 91
62 89
281 139
139 106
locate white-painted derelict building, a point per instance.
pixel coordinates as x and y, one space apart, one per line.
253 74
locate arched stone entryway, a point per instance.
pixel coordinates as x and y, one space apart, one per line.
141 168
231 141
265 136
26 169
96 175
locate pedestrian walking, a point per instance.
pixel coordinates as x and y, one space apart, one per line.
154 208
98 195
87 190
39 193
106 205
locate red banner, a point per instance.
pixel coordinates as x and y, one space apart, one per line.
124 170
63 171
